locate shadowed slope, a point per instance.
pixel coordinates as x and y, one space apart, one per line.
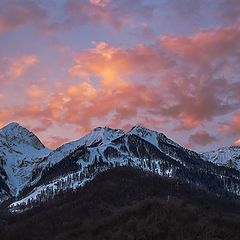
128 203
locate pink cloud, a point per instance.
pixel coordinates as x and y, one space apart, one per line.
231 128
174 80
223 127
19 66
202 138
237 143
234 129
112 64
55 141
15 14
113 13
35 91
208 50
185 70
13 69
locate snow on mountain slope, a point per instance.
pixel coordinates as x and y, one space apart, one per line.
77 162
99 135
151 136
74 163
20 151
225 156
99 144
49 190
102 135
14 134
159 140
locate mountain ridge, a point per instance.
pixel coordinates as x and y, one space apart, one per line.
76 162
228 156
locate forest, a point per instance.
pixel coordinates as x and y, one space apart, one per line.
128 203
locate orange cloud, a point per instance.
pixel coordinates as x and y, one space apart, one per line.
113 65
15 68
237 143
101 62
154 84
231 128
84 105
223 128
206 49
35 91
236 120
82 90
234 129
29 111
56 141
4 114
125 84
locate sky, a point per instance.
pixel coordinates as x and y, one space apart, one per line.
68 66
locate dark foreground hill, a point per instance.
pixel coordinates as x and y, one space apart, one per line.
128 203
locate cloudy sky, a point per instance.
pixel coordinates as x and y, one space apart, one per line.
68 66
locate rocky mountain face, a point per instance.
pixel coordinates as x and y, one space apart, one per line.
20 151
225 156
41 173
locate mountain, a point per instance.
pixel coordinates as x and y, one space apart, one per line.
31 173
225 156
75 163
20 151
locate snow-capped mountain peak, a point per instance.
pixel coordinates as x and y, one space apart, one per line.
224 156
104 134
151 136
99 135
14 134
20 152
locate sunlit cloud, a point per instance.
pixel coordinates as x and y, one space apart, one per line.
15 68
223 128
234 129
209 50
237 143
183 80
35 91
56 141
118 87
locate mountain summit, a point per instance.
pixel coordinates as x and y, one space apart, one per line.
20 151
13 134
151 136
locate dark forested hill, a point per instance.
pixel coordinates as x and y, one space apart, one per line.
128 203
